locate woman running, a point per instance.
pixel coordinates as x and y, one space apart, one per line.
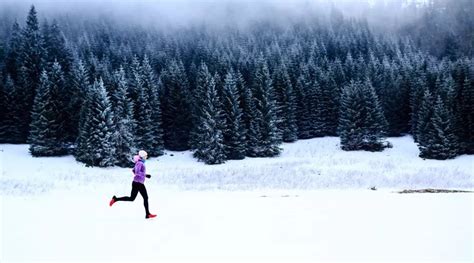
138 184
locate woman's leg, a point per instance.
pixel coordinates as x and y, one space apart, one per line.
144 194
133 195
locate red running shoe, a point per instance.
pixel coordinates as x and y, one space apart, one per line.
150 216
112 201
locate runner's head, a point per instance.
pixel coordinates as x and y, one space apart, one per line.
143 154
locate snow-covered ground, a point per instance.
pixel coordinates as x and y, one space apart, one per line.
306 165
309 204
222 226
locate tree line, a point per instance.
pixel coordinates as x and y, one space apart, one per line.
101 91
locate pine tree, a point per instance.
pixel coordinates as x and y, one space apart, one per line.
404 110
376 123
96 142
78 89
303 109
83 149
55 47
294 63
176 107
5 102
418 87
144 132
199 94
211 148
441 141
350 67
12 60
151 86
338 73
219 82
317 105
394 98
266 111
123 120
135 84
9 120
464 104
448 94
466 110
360 68
3 50
157 117
234 131
424 123
361 123
55 50
330 110
62 97
46 126
133 69
351 122
286 104
252 130
104 71
32 61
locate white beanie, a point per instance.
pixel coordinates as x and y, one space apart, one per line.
142 153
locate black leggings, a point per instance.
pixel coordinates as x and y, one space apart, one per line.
137 187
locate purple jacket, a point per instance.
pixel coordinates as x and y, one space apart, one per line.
139 170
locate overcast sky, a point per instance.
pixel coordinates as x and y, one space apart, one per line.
182 12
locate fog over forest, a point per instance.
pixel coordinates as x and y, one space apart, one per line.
235 78
382 15
214 12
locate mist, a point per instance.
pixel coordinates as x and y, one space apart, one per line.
168 14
